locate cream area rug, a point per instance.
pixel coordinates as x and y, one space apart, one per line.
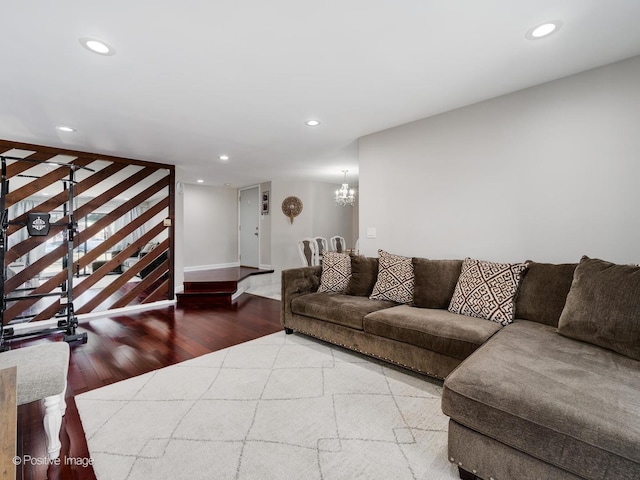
279 407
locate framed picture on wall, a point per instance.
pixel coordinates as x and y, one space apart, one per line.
265 203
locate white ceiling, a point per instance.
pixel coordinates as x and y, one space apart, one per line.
194 79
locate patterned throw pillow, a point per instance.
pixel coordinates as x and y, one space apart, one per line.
336 271
487 290
395 280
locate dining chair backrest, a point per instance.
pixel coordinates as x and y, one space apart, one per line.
338 244
322 245
307 248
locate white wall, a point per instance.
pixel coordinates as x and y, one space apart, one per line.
210 225
328 218
178 226
319 217
209 217
549 174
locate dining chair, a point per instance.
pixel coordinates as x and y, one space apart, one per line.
308 250
323 246
338 244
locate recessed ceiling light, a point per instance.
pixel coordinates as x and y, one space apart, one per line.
64 128
97 46
224 157
227 184
544 29
312 123
200 180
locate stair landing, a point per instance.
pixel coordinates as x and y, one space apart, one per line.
214 287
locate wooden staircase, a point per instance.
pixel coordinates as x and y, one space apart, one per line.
214 287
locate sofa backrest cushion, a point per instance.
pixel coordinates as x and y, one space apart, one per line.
603 306
543 292
435 281
364 272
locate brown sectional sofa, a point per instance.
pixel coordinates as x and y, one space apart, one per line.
524 401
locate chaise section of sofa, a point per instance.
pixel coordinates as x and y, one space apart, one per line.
556 394
533 393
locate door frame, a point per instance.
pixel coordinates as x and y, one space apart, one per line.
240 190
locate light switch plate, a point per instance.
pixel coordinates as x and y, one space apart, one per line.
371 232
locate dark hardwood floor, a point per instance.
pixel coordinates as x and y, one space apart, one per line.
121 347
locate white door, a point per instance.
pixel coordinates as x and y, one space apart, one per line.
249 227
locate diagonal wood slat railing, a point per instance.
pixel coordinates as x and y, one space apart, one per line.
144 262
44 181
149 188
89 257
24 247
59 199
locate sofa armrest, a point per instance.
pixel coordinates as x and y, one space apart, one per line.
296 282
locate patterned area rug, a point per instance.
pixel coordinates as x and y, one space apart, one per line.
279 407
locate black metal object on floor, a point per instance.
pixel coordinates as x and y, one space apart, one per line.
38 225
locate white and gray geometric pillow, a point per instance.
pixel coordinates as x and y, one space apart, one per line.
395 280
336 271
487 290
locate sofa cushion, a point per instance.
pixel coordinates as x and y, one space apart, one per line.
603 306
395 278
435 281
543 291
487 290
337 308
336 271
438 330
364 272
565 402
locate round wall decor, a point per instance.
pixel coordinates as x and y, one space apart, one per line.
291 207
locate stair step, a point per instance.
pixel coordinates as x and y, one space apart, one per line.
203 298
229 286
213 287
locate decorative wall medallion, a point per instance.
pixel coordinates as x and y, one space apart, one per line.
291 207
